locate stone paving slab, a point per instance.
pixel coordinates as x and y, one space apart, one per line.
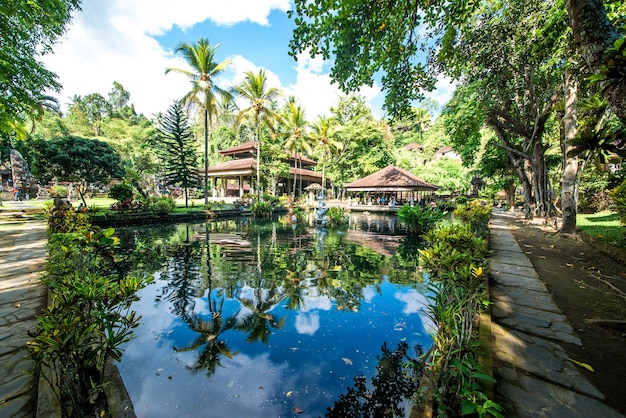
21 299
533 398
534 376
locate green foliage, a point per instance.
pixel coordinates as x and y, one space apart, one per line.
619 201
61 217
163 204
261 209
177 149
337 216
476 215
461 200
74 159
58 191
87 321
419 220
122 191
29 29
454 259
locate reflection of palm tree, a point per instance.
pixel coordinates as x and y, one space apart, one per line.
213 348
259 322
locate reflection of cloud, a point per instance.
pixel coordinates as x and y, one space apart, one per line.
368 294
316 303
415 302
307 323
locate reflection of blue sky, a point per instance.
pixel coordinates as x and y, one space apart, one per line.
307 357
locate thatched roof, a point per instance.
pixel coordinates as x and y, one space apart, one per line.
390 179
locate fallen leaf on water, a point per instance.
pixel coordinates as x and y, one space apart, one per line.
581 364
297 410
569 265
289 393
261 387
542 256
528 245
347 361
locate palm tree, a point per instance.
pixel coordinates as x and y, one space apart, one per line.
203 93
254 88
296 134
325 144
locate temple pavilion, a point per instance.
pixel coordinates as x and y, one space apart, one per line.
237 176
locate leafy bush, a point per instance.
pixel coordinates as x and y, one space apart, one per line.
476 215
461 200
62 217
271 199
419 221
261 209
455 261
163 205
122 191
87 321
619 201
58 191
337 216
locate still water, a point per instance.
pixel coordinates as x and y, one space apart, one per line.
268 320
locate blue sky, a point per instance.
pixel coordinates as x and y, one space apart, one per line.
133 41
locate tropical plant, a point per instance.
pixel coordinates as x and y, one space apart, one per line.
326 146
619 201
418 220
176 147
87 321
297 137
337 216
204 92
254 88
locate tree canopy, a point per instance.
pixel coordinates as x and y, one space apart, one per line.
28 30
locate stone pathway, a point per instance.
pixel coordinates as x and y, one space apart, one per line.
533 373
22 258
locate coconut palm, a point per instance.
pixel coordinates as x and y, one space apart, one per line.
325 144
296 136
204 92
254 88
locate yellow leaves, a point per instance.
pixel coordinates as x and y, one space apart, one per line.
477 272
583 365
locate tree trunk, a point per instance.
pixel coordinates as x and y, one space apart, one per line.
510 194
569 198
206 157
593 34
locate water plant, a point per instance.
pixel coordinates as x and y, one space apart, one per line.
419 220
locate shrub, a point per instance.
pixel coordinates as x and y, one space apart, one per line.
61 217
261 209
122 191
87 321
163 205
461 200
337 216
476 215
58 191
619 201
419 221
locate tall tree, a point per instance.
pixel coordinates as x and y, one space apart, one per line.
370 36
297 138
176 147
326 146
78 160
254 88
28 30
204 92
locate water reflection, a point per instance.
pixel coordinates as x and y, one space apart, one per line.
248 319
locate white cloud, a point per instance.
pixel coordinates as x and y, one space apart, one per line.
444 88
110 41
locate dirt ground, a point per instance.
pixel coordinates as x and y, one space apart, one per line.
587 285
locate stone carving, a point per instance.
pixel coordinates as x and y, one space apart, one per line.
320 211
22 179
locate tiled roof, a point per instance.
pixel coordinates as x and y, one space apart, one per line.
390 178
413 146
249 146
232 165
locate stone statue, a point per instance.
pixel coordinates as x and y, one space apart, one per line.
320 211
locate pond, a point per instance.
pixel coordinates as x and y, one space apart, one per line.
270 319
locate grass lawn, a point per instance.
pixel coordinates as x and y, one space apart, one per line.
603 225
